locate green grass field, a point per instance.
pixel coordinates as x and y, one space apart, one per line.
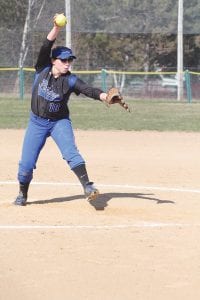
89 114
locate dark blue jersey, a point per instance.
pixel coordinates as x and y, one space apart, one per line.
50 95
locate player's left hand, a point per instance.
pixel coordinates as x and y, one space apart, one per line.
114 96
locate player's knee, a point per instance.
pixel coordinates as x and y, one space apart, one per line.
75 160
25 173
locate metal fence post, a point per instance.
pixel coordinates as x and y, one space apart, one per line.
188 86
103 80
21 83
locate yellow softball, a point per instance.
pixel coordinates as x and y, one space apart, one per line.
61 20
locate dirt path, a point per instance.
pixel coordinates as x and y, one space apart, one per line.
141 238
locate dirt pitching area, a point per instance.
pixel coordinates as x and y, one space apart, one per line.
139 240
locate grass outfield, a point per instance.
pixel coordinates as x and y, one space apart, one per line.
90 114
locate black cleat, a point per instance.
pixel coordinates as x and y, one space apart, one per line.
20 200
91 192
23 192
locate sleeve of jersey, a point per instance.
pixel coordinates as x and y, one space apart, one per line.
83 88
44 55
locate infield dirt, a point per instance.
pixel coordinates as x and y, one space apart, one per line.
139 240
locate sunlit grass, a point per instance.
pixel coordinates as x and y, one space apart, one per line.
89 114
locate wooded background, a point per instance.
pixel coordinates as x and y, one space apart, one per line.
137 35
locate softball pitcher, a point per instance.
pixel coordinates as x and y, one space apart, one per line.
52 87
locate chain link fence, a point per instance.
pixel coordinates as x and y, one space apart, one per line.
15 82
106 36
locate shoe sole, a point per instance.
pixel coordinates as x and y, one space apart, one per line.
19 204
93 196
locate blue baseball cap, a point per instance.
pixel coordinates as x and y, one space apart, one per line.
62 53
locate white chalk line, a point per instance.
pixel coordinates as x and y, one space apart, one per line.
121 186
103 227
96 227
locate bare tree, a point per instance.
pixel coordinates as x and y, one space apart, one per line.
25 45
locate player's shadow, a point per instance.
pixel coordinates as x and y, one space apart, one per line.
102 201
